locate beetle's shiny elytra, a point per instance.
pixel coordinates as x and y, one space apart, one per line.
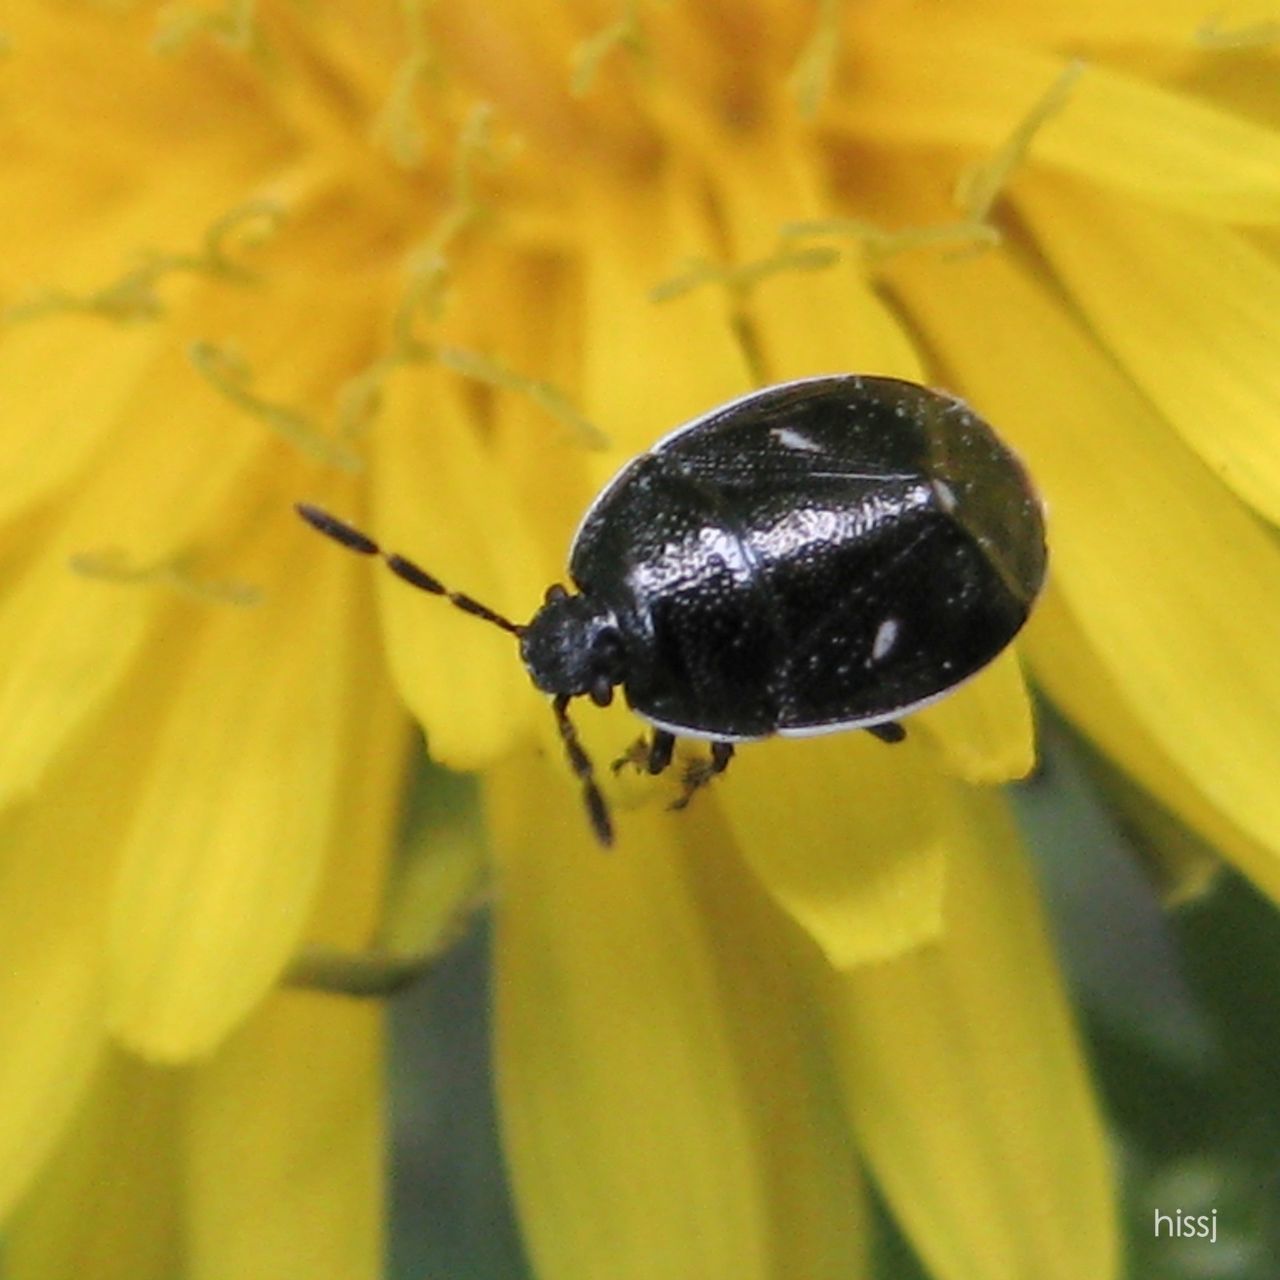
826 554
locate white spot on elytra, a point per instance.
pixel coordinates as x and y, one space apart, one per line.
886 637
790 438
946 496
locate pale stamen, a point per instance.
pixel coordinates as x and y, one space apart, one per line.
624 33
229 373
134 295
173 573
811 77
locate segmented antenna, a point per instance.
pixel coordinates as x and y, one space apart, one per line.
412 573
580 763
416 576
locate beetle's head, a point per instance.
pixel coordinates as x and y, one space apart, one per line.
572 646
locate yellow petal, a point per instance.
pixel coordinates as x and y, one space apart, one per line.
304 1075
1189 310
228 840
623 1105
70 376
922 83
965 1083
68 637
285 1146
1076 680
441 872
846 834
378 742
370 792
54 422
1176 861
435 876
1173 584
825 320
518 57
441 501
545 456
1172 23
649 366
984 730
814 1194
57 862
109 1204
55 868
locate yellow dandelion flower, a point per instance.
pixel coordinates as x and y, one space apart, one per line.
442 268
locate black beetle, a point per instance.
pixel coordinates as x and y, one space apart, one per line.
830 553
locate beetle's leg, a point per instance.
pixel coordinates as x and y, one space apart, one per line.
891 731
700 772
580 763
653 756
661 749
